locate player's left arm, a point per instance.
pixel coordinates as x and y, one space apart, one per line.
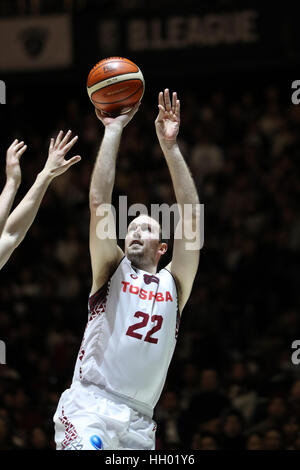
22 217
186 249
13 180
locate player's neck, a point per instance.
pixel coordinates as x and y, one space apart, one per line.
149 268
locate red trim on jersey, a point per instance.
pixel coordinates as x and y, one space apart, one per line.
98 297
94 295
96 306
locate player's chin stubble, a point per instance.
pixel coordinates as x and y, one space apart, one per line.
139 258
135 257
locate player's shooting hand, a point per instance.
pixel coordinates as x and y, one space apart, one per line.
168 120
56 163
119 121
13 155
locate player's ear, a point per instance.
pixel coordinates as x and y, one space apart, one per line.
163 248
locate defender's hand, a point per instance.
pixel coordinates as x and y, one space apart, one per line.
56 163
13 155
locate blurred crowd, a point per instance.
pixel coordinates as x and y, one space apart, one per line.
232 383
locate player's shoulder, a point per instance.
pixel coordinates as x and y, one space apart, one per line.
104 280
166 271
167 274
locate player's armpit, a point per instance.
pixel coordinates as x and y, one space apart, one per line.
104 250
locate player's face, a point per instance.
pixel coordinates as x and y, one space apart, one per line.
142 239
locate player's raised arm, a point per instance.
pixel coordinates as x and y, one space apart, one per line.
24 214
104 250
185 258
13 179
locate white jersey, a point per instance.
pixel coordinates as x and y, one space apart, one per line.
130 336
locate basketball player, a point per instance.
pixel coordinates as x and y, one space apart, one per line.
133 310
15 227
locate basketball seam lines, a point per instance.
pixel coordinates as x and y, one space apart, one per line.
119 101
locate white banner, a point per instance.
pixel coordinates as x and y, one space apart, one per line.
35 43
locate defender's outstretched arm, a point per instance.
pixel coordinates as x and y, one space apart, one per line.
24 214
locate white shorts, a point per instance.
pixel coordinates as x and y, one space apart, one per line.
84 420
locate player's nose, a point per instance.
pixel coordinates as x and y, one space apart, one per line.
138 232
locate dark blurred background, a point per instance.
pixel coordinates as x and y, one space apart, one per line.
232 383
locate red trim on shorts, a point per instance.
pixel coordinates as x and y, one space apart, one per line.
70 430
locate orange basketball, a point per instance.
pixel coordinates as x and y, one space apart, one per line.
115 85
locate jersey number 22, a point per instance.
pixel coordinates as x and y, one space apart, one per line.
158 319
